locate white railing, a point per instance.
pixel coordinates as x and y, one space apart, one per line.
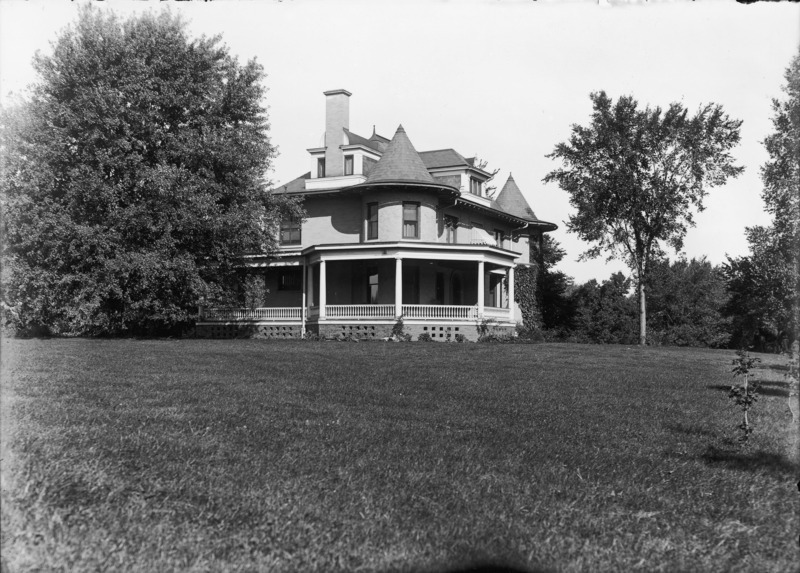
359 310
440 311
495 312
276 313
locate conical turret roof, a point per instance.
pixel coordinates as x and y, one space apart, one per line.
400 162
511 200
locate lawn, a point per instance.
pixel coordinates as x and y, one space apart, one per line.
168 455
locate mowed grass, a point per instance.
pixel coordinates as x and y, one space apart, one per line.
291 456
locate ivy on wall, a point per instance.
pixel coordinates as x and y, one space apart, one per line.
526 295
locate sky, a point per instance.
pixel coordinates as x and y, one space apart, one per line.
500 79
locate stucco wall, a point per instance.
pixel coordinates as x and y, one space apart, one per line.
332 220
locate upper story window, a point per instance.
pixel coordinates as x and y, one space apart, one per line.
348 164
290 232
321 167
478 237
498 238
474 186
411 220
372 221
450 229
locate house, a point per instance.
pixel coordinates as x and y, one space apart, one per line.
390 233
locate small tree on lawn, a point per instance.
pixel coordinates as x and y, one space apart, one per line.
745 395
633 175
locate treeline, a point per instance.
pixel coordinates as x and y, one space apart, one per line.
690 303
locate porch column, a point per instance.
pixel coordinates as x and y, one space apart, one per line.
323 289
398 287
511 290
311 288
480 289
304 301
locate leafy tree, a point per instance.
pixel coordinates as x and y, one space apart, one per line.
764 286
133 177
604 313
686 299
557 308
633 176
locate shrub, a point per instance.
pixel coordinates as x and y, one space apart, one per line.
424 337
460 338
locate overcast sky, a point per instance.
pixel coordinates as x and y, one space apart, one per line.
501 79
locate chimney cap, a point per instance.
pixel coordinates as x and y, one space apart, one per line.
337 92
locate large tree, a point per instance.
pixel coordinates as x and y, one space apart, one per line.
133 177
685 300
765 285
634 175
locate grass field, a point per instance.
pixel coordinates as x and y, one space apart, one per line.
290 456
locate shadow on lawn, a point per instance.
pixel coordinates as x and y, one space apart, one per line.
773 464
493 568
769 388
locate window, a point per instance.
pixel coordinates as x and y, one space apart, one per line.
372 285
290 232
474 186
450 229
478 236
372 221
411 220
321 167
348 164
498 238
290 279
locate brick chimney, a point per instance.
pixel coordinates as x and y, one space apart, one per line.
337 117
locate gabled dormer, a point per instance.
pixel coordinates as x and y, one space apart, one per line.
450 167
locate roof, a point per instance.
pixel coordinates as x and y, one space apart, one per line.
400 163
443 158
510 200
375 142
295 185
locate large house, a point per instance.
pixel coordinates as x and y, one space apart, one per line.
390 233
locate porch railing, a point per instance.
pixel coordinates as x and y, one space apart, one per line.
495 312
440 311
276 313
359 310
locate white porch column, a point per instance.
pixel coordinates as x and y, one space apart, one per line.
398 287
480 288
323 289
511 293
304 301
311 287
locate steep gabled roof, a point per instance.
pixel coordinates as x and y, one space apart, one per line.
510 199
400 162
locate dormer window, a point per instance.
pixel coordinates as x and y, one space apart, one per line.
475 186
348 164
321 167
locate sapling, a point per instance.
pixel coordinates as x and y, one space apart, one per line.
745 395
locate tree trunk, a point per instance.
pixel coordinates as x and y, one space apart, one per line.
642 315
